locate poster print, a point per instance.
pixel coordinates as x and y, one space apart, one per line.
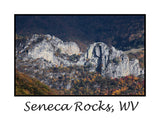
80 55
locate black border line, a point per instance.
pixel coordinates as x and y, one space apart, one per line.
80 95
145 55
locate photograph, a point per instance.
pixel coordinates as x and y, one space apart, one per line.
79 55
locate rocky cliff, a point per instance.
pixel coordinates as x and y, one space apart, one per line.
111 62
48 47
46 51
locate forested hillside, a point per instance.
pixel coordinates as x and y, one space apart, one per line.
123 32
86 84
26 85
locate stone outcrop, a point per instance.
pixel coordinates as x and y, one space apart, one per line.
69 48
110 62
98 58
49 47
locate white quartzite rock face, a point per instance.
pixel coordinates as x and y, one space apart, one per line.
111 62
101 58
43 50
47 47
69 48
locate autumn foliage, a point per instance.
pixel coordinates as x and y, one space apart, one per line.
83 83
97 85
26 85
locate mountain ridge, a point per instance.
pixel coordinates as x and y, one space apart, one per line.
98 70
48 51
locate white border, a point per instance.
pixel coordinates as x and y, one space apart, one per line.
12 107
